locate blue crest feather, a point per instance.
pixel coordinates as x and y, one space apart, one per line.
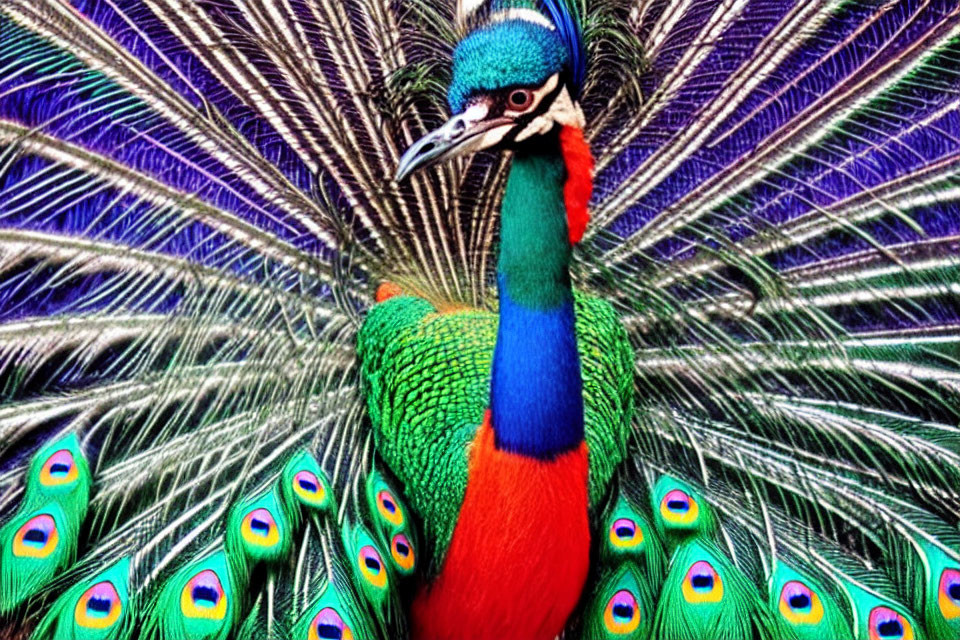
565 17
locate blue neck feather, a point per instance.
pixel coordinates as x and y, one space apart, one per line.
536 391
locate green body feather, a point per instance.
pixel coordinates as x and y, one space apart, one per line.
428 378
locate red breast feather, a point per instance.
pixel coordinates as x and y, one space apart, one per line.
520 551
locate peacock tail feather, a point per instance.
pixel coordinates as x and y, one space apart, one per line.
98 608
197 206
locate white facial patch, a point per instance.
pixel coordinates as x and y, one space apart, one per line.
474 113
538 126
564 111
492 137
466 8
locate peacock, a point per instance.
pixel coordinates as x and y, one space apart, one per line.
487 319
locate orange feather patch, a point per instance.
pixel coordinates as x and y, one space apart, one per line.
520 551
579 185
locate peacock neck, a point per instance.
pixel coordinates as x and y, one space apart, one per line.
536 401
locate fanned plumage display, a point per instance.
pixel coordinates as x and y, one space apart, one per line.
480 319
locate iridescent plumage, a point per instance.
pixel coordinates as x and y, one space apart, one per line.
209 428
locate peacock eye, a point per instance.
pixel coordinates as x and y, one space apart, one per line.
388 508
59 469
402 552
799 604
702 584
328 625
99 607
203 597
520 99
622 614
37 538
371 567
949 596
887 624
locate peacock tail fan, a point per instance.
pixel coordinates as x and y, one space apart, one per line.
374 576
196 209
817 589
97 608
41 539
336 601
346 565
316 594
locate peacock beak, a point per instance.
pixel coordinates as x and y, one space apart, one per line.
464 133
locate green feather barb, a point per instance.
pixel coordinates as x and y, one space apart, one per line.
98 608
34 547
706 597
258 531
199 602
622 606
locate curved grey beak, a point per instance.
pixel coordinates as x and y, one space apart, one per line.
461 134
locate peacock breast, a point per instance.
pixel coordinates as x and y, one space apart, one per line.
426 380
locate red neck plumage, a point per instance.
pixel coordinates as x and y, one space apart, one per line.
579 185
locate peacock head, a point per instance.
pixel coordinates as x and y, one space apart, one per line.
515 77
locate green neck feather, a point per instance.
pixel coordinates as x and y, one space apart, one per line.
536 393
534 249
